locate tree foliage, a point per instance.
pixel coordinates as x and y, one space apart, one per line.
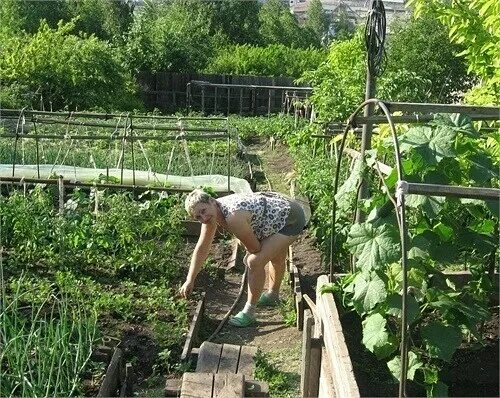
279 26
272 60
317 21
107 19
419 50
64 70
475 25
172 36
237 21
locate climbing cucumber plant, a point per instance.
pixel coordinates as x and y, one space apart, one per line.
444 234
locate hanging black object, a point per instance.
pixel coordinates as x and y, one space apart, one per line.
375 30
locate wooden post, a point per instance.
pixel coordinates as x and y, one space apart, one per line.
241 101
60 185
111 381
228 100
269 103
203 99
215 100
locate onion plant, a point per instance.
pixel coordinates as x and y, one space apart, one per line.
43 348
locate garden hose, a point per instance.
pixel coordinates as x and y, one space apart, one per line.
375 29
226 317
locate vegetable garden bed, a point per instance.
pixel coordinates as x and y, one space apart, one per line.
471 372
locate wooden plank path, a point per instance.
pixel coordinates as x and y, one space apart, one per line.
223 371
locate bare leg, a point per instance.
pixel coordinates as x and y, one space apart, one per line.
276 243
277 271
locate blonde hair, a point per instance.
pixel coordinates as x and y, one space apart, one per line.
195 197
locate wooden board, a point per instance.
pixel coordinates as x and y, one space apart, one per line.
246 365
229 358
197 385
229 385
208 357
336 350
193 329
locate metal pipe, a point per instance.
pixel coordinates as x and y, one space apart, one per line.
113 137
414 107
137 127
377 119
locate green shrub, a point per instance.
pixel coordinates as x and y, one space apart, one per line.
273 60
64 70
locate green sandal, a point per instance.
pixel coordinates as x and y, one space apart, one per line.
266 301
242 320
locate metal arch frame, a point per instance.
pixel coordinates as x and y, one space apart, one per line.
403 188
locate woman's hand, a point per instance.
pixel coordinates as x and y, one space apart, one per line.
187 288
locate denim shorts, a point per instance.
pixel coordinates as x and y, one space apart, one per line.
295 222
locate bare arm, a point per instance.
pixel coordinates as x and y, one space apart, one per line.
239 224
199 256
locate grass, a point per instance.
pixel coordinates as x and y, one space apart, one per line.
282 384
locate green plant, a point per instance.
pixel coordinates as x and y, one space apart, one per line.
281 384
45 346
60 69
442 232
271 60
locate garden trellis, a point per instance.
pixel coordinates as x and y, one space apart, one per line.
140 151
416 113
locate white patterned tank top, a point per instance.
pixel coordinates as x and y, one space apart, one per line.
269 210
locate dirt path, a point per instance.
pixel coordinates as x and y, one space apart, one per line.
272 336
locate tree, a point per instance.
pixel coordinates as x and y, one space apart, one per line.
26 15
279 26
64 70
341 27
237 21
475 25
422 50
171 36
107 19
316 21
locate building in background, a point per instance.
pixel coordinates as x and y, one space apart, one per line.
354 10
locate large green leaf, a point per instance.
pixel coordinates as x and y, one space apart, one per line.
376 338
374 247
482 169
433 144
441 340
394 302
369 290
347 192
414 364
430 205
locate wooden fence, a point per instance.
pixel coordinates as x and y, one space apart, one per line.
168 92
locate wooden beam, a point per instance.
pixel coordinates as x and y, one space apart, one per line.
192 335
229 358
414 107
111 382
208 357
246 365
449 190
197 385
333 337
229 385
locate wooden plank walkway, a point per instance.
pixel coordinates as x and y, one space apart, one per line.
223 371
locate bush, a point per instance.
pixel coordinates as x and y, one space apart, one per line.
273 60
65 70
